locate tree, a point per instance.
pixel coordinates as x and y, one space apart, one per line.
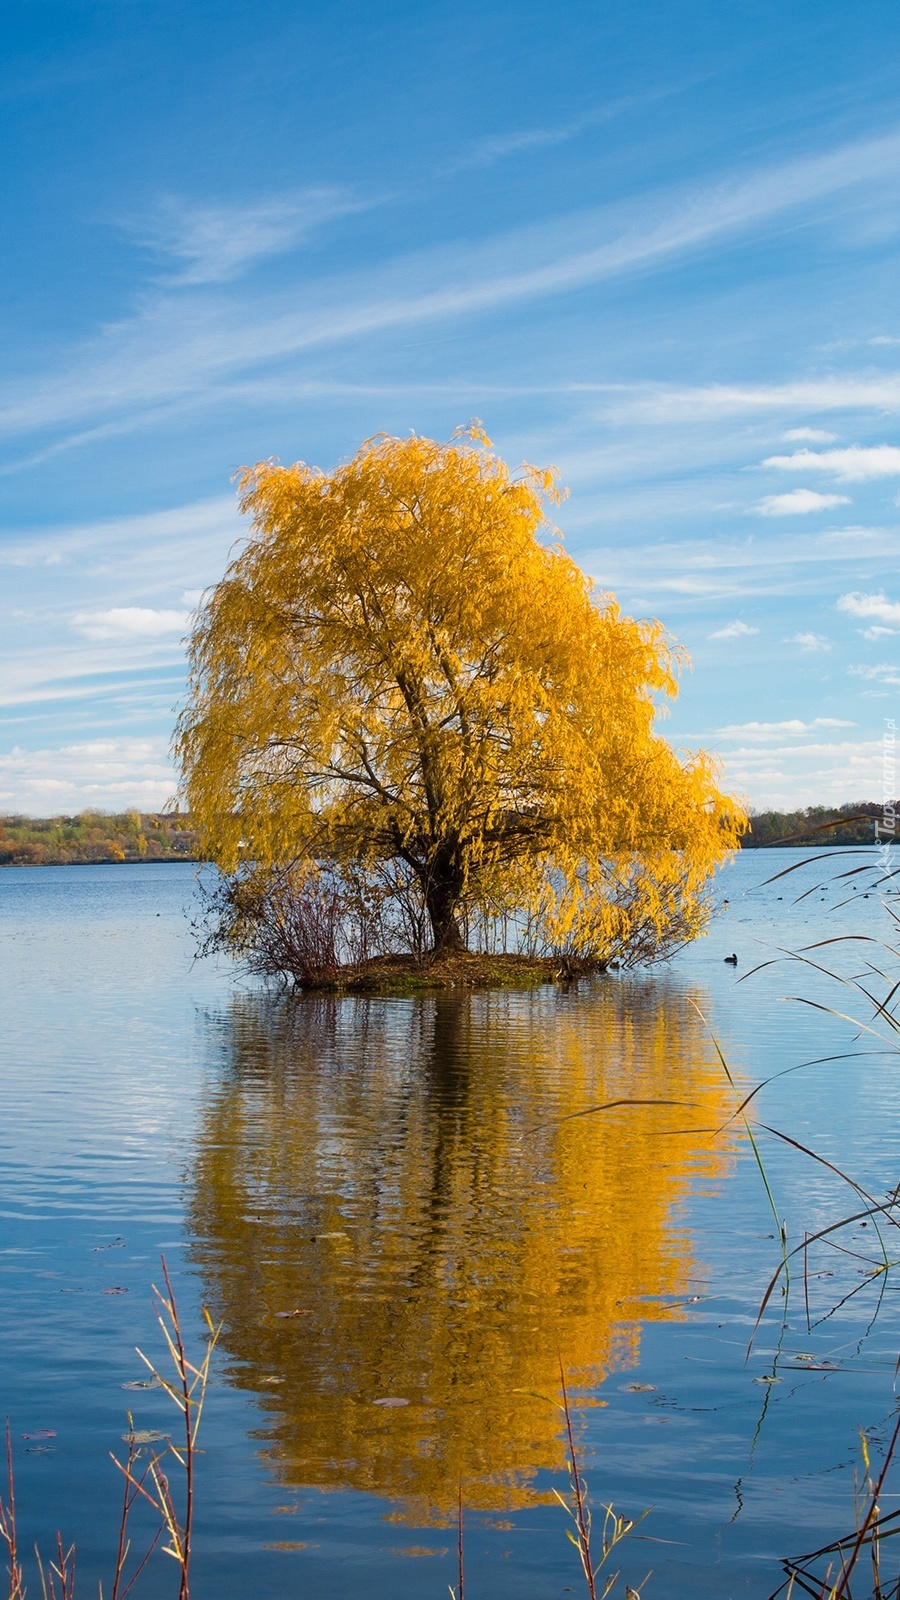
403 671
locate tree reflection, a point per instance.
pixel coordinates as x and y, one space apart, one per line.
397 1172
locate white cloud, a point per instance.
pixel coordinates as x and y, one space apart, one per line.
810 642
108 773
798 503
129 622
785 775
217 243
99 603
855 464
811 435
769 730
875 606
733 630
660 402
884 673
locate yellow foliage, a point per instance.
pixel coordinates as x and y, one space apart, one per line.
403 664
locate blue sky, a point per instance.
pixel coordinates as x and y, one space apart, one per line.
653 245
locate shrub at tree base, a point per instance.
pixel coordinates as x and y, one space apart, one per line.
407 699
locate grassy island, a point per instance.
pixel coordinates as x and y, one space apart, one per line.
458 969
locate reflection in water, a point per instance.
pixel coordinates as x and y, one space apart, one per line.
375 1166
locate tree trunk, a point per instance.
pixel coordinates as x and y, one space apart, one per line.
441 900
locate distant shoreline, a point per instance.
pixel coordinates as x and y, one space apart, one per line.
110 861
133 838
96 838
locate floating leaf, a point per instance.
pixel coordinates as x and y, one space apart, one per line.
294 1313
41 1433
806 1364
140 1383
144 1436
390 1400
639 1388
418 1550
116 1289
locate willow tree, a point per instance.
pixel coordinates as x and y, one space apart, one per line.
402 667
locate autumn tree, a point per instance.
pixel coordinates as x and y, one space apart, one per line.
403 673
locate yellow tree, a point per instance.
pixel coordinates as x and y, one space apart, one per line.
402 665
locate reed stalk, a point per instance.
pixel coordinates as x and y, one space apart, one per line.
8 1531
144 1480
577 1507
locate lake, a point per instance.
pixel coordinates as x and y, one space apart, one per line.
405 1212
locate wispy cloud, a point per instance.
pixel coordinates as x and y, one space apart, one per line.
659 402
197 532
212 244
738 569
812 643
94 605
733 630
811 435
856 464
108 773
784 770
885 673
495 147
790 729
129 622
798 503
179 346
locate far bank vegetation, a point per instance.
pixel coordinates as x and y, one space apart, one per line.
95 836
110 837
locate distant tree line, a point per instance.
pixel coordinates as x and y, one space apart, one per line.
818 825
95 836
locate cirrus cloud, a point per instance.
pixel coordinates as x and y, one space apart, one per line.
216 243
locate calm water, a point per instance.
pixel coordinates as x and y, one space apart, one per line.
413 1177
